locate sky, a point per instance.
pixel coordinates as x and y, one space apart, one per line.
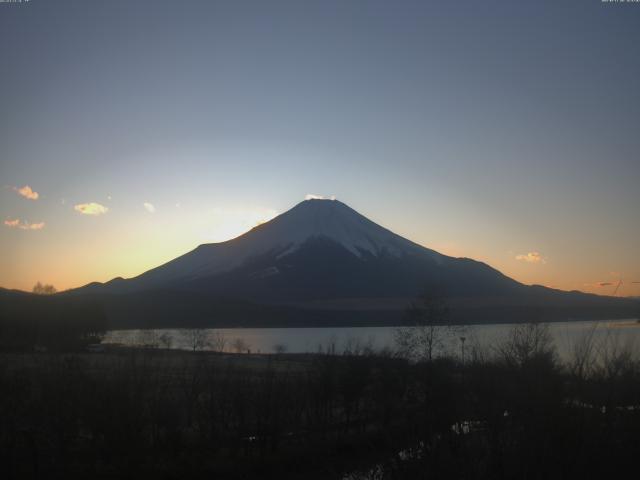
502 131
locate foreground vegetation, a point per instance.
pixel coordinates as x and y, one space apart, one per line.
511 412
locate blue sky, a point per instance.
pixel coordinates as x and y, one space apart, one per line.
492 130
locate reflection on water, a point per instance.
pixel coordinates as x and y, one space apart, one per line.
624 333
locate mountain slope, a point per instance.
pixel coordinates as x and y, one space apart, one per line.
324 256
284 235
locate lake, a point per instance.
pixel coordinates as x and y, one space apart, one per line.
620 333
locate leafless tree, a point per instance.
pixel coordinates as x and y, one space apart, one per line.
148 338
430 328
583 354
166 340
217 341
240 346
614 355
526 342
195 338
280 348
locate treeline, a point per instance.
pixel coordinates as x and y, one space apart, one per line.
511 412
49 322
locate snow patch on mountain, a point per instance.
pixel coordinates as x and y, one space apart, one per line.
310 219
334 220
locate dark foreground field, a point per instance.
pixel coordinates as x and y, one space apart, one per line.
511 413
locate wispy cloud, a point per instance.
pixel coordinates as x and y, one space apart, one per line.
312 196
149 207
33 226
531 257
603 284
24 225
12 223
91 208
27 192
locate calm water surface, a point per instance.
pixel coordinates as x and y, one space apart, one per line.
622 333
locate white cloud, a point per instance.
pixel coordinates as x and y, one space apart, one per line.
24 225
91 208
311 196
32 226
27 192
531 257
12 223
149 207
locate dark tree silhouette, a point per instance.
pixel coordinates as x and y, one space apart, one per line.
44 289
429 329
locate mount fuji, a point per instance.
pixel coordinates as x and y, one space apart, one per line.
323 263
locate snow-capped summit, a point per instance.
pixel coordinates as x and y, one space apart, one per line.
313 219
334 220
319 249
